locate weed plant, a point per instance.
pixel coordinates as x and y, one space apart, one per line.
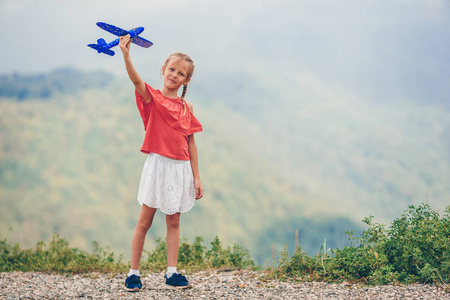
58 257
197 257
61 258
415 248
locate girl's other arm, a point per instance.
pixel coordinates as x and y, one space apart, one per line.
193 154
124 44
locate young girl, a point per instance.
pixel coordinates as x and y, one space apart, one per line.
170 178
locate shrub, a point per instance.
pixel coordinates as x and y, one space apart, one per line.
418 247
300 265
415 248
60 257
57 257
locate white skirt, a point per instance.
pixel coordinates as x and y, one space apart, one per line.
167 184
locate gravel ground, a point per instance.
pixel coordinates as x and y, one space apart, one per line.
207 285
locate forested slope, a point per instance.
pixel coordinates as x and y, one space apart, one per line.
270 163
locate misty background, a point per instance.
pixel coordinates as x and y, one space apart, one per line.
316 115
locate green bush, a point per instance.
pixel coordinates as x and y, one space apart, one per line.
418 248
299 265
58 257
415 248
362 258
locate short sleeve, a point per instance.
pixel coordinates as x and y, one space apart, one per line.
195 126
144 108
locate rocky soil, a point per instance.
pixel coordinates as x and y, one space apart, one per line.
206 285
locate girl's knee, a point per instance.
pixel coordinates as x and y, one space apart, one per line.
146 218
144 225
173 220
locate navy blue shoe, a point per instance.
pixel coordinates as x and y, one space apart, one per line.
177 281
133 283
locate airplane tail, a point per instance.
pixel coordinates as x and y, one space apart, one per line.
101 47
101 42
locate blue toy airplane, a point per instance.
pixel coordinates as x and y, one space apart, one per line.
103 47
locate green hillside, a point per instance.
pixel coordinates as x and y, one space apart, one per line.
348 151
44 86
270 163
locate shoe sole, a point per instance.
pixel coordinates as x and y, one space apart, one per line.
136 289
189 286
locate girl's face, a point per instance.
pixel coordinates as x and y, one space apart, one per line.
175 74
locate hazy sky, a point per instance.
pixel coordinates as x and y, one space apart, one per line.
368 46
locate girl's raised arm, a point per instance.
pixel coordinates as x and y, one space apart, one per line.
124 45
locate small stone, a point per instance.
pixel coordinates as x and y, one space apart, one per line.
239 284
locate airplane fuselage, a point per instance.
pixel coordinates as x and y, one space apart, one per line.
133 32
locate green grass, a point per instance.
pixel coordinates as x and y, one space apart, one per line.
415 248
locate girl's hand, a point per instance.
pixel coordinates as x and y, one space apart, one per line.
124 44
198 189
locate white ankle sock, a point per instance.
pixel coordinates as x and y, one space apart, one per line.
133 272
170 271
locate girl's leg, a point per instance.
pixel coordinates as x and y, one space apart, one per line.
143 225
173 238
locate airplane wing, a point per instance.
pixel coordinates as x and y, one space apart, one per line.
109 52
112 29
141 42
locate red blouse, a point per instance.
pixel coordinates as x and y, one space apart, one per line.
166 129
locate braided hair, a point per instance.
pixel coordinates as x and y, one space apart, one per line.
182 99
184 91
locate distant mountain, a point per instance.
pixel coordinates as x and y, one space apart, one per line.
300 156
44 86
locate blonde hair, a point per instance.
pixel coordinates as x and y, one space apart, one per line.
177 56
